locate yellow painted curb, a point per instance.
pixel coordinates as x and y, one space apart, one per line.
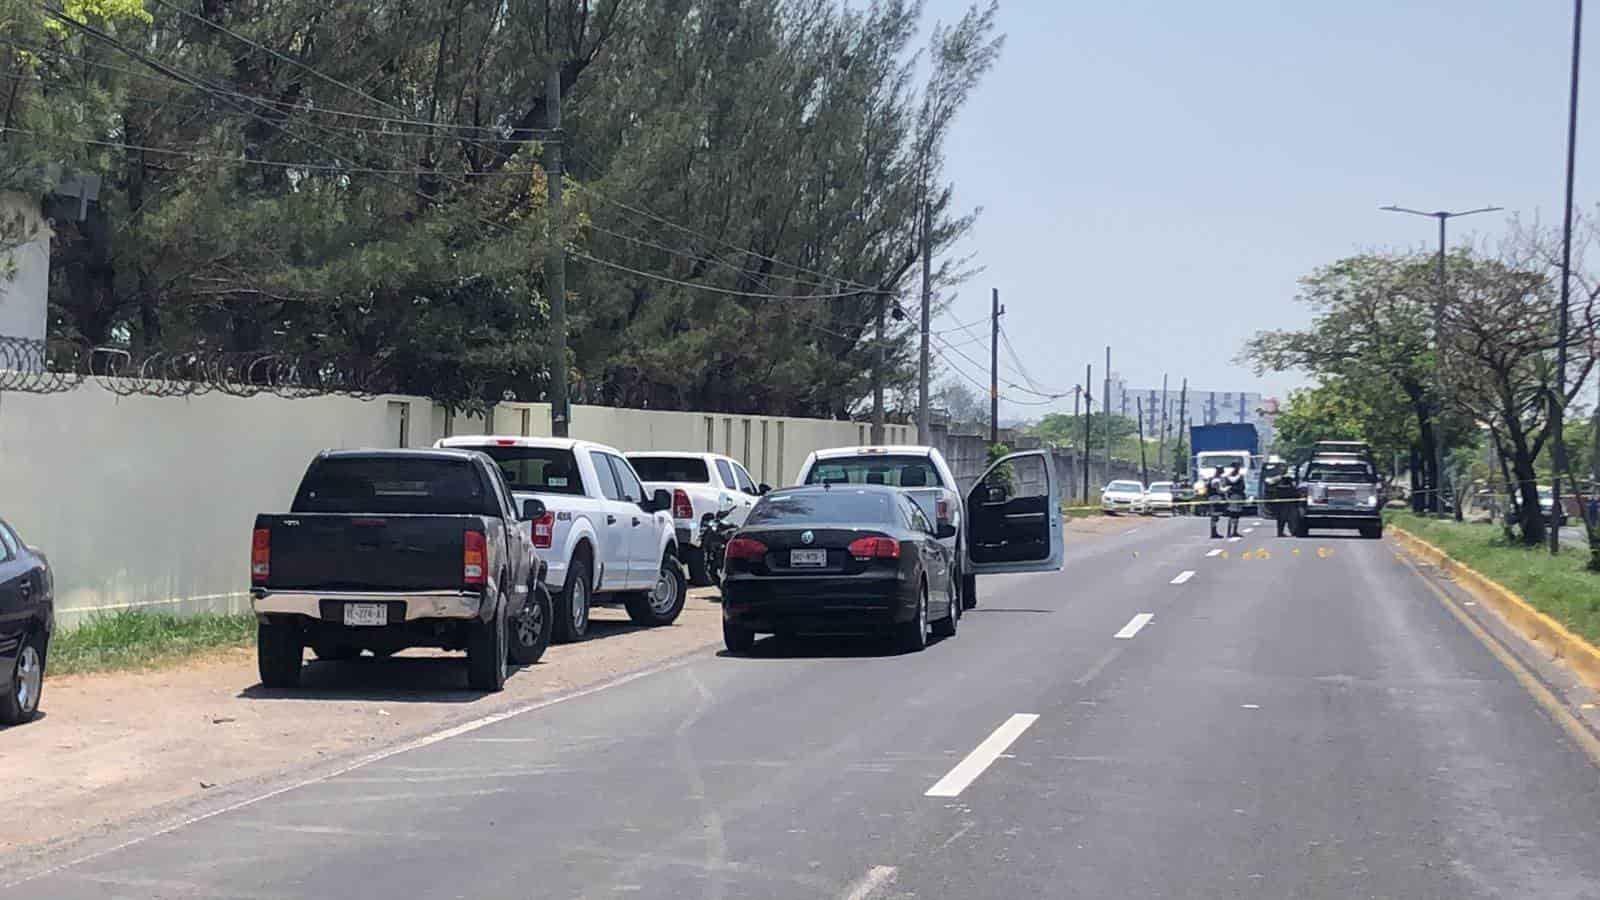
1556 638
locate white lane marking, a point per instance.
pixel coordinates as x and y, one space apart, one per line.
876 877
369 759
1249 706
1234 540
1131 531
1133 626
1248 530
1216 552
983 756
1183 576
1099 666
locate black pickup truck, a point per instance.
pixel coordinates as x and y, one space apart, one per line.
388 549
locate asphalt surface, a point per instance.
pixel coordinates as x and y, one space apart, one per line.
1311 724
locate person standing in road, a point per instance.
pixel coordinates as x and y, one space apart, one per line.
1211 488
1281 493
1234 493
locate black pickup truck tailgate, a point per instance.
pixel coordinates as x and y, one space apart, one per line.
345 552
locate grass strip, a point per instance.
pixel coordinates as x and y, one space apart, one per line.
1559 586
131 639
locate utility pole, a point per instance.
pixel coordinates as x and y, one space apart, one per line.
877 377
1161 439
1435 485
1144 467
1105 411
1182 462
1077 394
994 368
556 261
924 427
1558 398
1088 414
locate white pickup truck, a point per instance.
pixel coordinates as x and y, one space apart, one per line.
604 536
1009 522
699 483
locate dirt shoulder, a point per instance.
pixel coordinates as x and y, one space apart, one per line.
109 746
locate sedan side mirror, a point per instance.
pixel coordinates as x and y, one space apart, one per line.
532 508
944 531
763 490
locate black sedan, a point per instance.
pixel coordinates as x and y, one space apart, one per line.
27 616
837 559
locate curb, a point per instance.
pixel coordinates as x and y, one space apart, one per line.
1556 639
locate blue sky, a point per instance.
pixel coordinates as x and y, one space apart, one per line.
1156 175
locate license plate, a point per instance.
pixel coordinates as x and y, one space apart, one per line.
366 614
813 558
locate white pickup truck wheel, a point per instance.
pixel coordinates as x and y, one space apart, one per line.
662 604
572 605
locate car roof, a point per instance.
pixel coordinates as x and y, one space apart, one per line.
874 450
673 454
398 453
514 440
835 488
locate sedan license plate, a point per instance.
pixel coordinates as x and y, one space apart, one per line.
366 614
808 558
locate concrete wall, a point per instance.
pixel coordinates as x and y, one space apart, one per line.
147 502
23 302
968 456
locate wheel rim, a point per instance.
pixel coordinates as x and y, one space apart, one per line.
955 604
665 595
580 606
530 624
922 614
30 675
501 638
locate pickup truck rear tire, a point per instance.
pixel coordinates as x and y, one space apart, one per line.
530 629
280 649
487 653
969 590
737 639
572 604
663 604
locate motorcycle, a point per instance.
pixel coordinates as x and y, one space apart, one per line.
715 531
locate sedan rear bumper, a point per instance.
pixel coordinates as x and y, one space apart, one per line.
818 604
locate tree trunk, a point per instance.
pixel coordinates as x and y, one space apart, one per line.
1429 441
1527 488
1505 473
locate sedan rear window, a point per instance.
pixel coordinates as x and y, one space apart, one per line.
894 471
394 485
839 506
686 469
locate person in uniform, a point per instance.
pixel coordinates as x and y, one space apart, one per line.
1282 494
1216 503
1234 492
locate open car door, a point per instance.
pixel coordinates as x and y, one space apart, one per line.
1014 516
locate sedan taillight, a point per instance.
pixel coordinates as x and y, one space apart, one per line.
875 546
744 548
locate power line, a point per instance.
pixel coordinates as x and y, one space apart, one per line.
981 385
706 258
1009 384
713 288
1022 369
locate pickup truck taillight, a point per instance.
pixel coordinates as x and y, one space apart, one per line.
681 507
941 509
875 547
260 556
544 529
744 548
474 554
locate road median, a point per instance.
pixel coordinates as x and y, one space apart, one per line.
1556 639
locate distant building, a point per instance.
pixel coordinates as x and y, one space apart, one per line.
1203 408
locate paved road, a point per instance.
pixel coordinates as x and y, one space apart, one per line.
1299 725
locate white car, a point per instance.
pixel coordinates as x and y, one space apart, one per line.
700 483
604 537
1009 522
1121 496
1157 498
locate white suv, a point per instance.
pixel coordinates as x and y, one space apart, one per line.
604 537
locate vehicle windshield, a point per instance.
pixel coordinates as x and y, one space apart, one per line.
1341 473
1125 487
876 468
1223 460
394 485
537 470
1161 487
841 505
684 469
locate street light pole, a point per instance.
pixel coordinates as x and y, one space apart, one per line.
1434 484
1559 397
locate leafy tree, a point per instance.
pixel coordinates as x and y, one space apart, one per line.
1345 409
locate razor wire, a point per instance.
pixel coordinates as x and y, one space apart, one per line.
39 367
